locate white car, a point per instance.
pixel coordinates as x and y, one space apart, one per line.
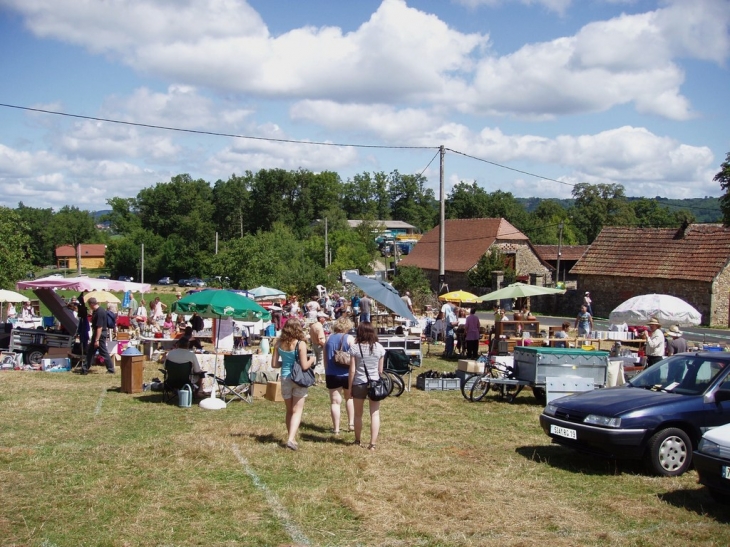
712 462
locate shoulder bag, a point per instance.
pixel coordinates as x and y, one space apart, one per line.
342 358
377 389
302 378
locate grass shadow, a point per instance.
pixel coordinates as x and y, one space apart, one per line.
698 501
577 462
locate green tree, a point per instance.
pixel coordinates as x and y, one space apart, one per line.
71 226
599 205
652 215
124 217
480 276
231 201
411 201
15 249
38 222
467 200
366 196
723 177
543 227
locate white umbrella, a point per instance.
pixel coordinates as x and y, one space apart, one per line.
669 310
519 290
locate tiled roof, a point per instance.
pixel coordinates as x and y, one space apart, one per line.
698 254
466 242
91 249
567 252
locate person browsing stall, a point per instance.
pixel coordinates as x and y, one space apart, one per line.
675 341
654 342
317 338
472 334
99 337
292 345
188 340
182 354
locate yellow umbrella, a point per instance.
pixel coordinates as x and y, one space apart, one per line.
462 297
102 296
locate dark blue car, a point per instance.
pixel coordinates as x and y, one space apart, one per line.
659 416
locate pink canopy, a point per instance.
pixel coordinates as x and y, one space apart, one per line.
83 284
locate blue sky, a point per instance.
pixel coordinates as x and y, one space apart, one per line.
631 92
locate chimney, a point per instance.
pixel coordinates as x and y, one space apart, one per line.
682 231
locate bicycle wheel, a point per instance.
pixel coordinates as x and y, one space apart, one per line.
398 384
467 384
480 388
387 380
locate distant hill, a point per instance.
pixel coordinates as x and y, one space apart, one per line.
705 209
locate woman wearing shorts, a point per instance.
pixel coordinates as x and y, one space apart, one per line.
365 352
337 376
292 340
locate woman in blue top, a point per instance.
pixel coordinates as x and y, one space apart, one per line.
291 342
337 375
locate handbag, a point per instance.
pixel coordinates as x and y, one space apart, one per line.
342 358
302 378
377 390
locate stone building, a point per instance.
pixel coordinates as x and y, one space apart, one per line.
466 241
569 255
691 263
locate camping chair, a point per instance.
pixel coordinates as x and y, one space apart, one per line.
237 383
175 376
122 322
398 362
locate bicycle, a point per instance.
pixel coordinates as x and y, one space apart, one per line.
482 383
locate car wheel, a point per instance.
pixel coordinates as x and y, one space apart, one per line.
540 395
669 452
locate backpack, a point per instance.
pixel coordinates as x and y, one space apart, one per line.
111 320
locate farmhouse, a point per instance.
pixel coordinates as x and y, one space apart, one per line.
92 256
466 241
691 263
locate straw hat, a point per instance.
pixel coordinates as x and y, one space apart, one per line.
654 321
674 331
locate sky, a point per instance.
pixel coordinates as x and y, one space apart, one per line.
527 96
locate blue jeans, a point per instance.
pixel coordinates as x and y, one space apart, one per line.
365 318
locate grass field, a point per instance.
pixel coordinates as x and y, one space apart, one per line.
83 464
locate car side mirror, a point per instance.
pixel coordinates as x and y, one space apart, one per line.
722 395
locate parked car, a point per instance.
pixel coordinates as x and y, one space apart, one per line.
125 278
712 458
197 282
165 281
183 283
103 277
658 416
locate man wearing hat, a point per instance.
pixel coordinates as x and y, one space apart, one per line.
178 294
99 337
654 342
675 343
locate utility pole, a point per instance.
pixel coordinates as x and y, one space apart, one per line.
326 251
141 273
442 227
560 246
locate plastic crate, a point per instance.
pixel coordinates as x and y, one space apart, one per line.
429 384
450 384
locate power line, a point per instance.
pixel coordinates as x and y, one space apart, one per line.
212 133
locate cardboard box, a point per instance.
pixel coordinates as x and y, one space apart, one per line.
56 365
54 353
258 391
273 392
468 365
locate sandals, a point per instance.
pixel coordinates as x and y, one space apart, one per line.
292 446
333 431
352 427
356 443
371 447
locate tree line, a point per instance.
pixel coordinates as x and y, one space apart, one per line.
267 227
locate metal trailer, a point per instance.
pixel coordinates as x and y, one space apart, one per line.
35 343
534 365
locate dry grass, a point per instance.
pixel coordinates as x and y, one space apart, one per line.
82 463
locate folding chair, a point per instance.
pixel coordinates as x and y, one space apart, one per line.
398 362
175 376
237 383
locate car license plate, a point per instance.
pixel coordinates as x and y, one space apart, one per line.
725 472
563 432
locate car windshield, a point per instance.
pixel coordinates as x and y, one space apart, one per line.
682 374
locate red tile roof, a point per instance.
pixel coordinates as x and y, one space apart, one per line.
699 253
90 249
466 242
567 252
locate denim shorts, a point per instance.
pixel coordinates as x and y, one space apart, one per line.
289 389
